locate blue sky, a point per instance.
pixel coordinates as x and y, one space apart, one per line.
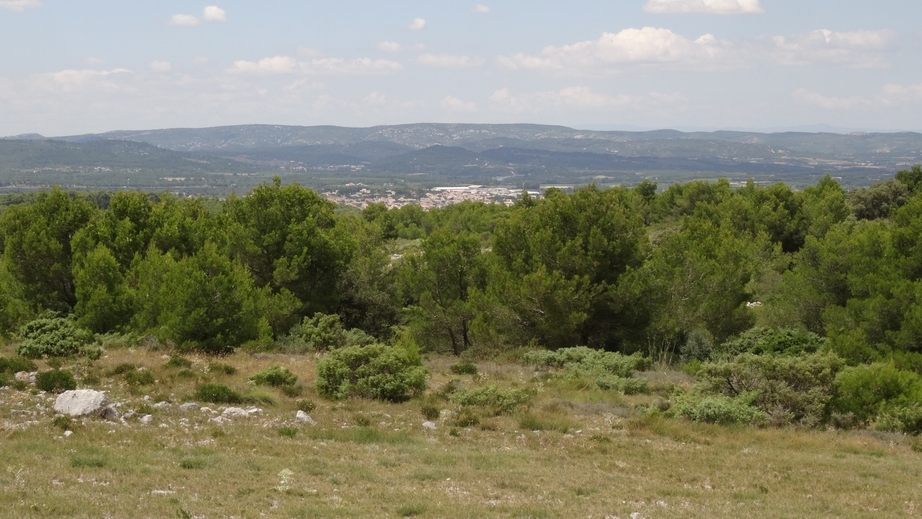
80 66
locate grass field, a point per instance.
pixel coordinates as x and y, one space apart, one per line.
575 453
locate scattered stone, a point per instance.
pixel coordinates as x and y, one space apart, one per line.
81 402
302 417
217 419
568 436
207 410
161 405
68 433
147 398
190 406
254 411
162 492
429 426
235 412
109 413
146 419
25 376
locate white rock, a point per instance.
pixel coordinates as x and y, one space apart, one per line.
254 411
25 376
429 426
235 412
68 433
161 405
81 402
302 417
189 406
146 419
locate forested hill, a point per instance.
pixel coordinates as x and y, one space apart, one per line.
545 151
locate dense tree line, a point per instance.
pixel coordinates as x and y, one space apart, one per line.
669 274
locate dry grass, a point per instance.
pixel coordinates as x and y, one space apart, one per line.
369 459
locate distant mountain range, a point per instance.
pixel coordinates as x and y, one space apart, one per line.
479 152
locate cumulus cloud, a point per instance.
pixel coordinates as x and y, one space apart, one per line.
480 8
704 6
449 61
888 96
857 48
648 45
274 65
20 5
160 66
456 105
580 98
212 13
389 46
417 24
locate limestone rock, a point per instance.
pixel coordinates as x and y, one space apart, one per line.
302 417
109 413
25 376
161 405
254 411
429 426
189 406
146 419
81 402
235 412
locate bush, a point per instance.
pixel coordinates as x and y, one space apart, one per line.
276 376
904 418
321 332
55 381
720 409
765 341
628 386
392 373
502 401
464 368
178 362
787 389
139 377
305 405
51 337
224 369
122 369
16 364
588 360
217 394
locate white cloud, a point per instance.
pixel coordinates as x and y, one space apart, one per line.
213 13
417 24
889 96
340 66
456 105
449 61
274 65
704 6
389 46
185 19
374 99
20 5
480 8
647 46
160 66
93 61
581 98
856 49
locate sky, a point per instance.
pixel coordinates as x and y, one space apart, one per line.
87 66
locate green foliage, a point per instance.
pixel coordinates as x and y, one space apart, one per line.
321 332
217 394
720 409
13 365
122 369
789 390
221 368
305 405
464 368
275 376
51 337
879 200
139 377
55 381
501 401
288 432
377 371
430 412
765 341
628 386
867 391
177 362
588 360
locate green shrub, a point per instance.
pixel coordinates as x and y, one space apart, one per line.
430 412
588 360
292 391
864 391
502 401
288 432
321 332
217 394
789 390
51 337
305 405
55 381
719 409
275 376
139 377
16 364
765 341
122 369
466 418
178 362
63 422
902 418
464 368
628 386
392 373
224 369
